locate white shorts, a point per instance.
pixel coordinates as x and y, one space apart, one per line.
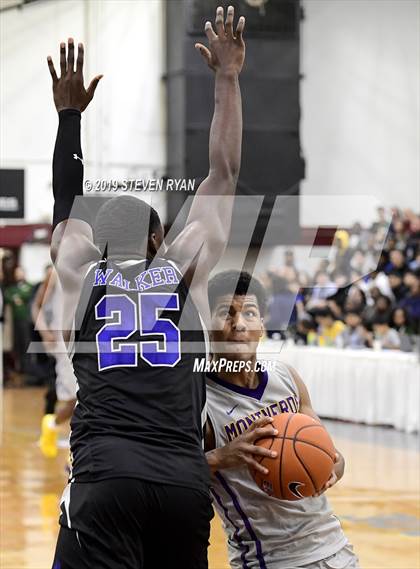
343 559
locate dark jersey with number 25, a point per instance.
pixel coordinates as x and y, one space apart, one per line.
140 403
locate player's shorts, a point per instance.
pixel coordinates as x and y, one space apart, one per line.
125 523
343 559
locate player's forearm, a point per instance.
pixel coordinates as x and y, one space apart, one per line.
67 165
226 128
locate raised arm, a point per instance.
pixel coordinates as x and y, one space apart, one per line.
72 247
70 99
208 224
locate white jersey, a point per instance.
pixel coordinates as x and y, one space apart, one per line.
264 532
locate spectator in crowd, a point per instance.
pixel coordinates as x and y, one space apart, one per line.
381 223
400 321
355 300
381 308
304 279
400 234
384 337
353 335
397 262
323 289
343 253
289 259
281 309
358 262
337 301
412 301
398 288
304 326
18 295
414 264
329 328
379 284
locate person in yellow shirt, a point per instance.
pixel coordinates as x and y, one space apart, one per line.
329 328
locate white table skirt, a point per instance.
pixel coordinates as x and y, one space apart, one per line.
364 386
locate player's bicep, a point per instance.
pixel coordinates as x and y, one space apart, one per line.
72 245
198 246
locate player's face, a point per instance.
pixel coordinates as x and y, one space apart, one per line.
237 327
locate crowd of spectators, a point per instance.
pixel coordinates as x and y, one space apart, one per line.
367 296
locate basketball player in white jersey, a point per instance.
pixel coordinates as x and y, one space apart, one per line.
263 532
47 316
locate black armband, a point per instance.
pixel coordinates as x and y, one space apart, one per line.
67 165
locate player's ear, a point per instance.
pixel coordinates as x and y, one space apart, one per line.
152 243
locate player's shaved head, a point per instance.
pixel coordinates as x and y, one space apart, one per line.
124 224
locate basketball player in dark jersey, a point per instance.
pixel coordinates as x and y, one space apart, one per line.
138 492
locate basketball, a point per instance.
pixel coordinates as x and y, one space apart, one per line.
305 458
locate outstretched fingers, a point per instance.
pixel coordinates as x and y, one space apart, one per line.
52 69
240 29
219 24
70 56
63 65
229 21
204 52
208 28
80 59
93 84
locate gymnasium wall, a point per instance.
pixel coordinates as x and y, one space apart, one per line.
123 131
360 103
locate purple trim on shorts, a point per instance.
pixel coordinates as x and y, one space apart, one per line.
257 392
245 519
243 546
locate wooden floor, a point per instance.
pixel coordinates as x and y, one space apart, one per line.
378 501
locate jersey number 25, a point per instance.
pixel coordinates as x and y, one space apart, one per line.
123 317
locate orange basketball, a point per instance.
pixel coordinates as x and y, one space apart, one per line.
305 458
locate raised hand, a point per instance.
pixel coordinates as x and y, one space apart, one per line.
226 51
68 90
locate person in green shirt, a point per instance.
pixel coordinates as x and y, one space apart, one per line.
18 296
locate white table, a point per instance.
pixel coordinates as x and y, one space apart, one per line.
364 386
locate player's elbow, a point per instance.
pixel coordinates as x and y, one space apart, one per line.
225 174
225 162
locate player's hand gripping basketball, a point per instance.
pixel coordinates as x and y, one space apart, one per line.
336 474
242 450
226 51
68 89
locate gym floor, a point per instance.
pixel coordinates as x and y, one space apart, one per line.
378 501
